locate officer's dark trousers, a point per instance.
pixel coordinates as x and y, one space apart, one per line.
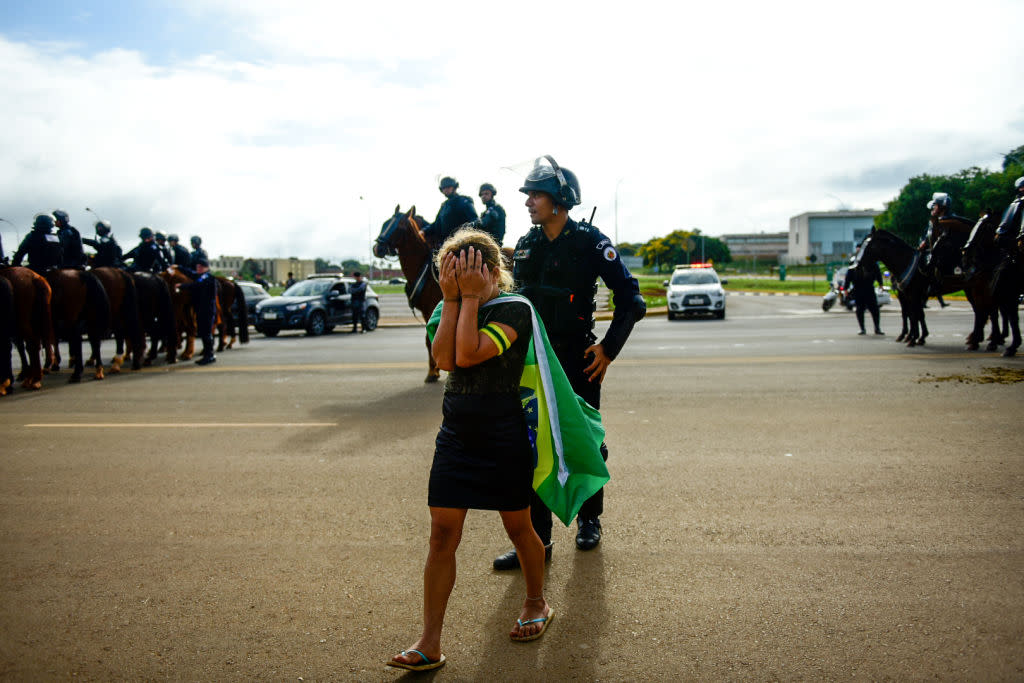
870 303
357 315
204 330
573 362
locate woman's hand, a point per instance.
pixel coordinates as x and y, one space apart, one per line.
447 279
474 280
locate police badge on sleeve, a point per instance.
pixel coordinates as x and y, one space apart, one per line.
606 248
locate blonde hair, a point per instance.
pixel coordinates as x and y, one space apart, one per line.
467 236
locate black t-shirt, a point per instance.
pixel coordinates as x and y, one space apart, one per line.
501 374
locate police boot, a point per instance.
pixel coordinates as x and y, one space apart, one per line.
510 560
208 356
589 534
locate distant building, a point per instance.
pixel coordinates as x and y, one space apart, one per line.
829 235
769 246
274 269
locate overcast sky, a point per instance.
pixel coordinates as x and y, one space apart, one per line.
260 125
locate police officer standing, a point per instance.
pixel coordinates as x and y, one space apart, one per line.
862 277
179 254
358 291
108 251
492 220
204 300
455 210
197 251
70 242
40 245
147 256
556 266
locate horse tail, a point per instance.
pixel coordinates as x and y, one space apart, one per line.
243 314
42 316
130 314
97 300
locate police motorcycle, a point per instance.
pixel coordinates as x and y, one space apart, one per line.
841 294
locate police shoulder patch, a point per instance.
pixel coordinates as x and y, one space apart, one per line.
521 254
604 243
610 253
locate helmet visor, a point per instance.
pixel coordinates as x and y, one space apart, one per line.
542 170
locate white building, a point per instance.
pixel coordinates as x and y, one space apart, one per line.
829 235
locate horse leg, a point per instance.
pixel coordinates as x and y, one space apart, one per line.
34 375
119 353
19 343
977 332
433 372
995 338
1011 317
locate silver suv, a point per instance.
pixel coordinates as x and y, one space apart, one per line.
695 288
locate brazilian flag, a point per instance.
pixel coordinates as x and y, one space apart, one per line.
565 431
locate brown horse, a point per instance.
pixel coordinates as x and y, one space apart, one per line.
156 313
124 316
6 336
184 315
402 235
33 326
78 304
229 293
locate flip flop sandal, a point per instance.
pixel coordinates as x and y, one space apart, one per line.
543 621
426 665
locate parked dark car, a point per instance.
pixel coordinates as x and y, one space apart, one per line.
316 304
254 294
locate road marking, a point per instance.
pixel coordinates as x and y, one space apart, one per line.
179 425
753 360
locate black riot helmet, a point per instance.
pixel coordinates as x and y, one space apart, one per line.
448 181
1019 184
145 233
487 186
560 183
43 222
196 240
941 200
173 237
61 215
102 228
160 237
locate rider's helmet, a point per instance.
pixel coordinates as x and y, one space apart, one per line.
102 228
196 240
561 183
941 200
448 181
61 215
145 233
173 237
1019 184
43 222
160 236
487 186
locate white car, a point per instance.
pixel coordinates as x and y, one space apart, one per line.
695 288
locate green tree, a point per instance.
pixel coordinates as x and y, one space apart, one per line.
683 246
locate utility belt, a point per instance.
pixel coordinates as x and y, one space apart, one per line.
565 313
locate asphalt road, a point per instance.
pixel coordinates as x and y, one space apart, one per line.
788 501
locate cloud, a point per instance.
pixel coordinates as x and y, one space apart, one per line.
729 118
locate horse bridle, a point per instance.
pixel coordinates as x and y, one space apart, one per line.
387 233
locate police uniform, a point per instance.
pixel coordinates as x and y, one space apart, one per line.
197 253
358 301
203 290
863 278
180 255
71 247
456 210
492 220
148 257
165 249
41 246
560 278
1011 227
108 251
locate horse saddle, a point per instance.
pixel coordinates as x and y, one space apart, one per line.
414 289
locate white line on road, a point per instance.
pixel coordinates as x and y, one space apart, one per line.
180 425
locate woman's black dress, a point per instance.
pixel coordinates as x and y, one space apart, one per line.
482 455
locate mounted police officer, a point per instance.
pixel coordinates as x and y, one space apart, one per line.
179 254
70 242
41 246
148 257
197 251
556 265
1011 227
492 220
456 210
946 236
165 249
204 300
108 251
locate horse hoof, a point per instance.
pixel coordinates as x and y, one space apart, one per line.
971 346
99 373
431 379
992 346
1009 352
74 379
35 385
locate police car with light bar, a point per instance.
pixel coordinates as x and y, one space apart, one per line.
695 288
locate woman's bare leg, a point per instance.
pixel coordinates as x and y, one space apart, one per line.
438 581
531 559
